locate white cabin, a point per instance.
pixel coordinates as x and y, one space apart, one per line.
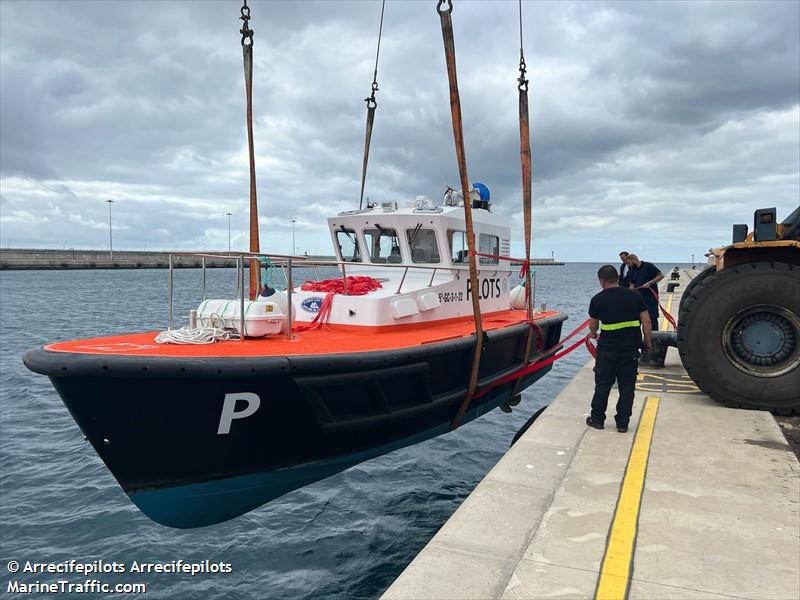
419 254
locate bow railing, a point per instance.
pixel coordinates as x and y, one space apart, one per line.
287 263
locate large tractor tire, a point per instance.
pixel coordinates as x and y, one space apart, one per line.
739 336
692 285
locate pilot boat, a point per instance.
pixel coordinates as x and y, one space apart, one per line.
317 381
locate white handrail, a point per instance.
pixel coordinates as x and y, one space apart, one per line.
286 261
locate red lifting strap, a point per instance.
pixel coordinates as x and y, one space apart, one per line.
523 272
664 312
541 363
356 285
498 256
320 318
539 335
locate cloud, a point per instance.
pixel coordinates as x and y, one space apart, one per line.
655 125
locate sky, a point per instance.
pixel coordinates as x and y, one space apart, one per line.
655 126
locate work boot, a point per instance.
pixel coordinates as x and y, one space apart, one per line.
591 423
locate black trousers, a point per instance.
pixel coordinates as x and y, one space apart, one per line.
609 367
652 306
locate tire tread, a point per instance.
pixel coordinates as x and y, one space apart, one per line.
688 306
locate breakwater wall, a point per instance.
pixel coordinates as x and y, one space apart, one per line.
32 259
28 259
25 259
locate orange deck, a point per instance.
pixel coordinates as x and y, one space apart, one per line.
326 340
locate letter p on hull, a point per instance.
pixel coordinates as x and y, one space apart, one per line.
229 412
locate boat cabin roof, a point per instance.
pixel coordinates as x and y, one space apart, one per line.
418 236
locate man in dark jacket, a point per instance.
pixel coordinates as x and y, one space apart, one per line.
625 329
644 277
624 270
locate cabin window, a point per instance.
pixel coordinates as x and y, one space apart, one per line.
422 242
488 244
347 241
383 245
459 249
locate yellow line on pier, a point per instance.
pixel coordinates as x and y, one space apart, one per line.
615 571
668 308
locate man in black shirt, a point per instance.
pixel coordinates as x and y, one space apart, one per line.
644 277
625 319
624 269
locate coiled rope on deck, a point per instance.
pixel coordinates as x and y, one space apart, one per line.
195 335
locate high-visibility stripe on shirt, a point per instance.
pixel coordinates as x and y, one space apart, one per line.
622 325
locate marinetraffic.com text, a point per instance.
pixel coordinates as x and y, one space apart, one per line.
86 576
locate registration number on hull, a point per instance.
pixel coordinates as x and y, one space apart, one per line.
445 297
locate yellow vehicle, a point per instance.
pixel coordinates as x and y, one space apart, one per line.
739 321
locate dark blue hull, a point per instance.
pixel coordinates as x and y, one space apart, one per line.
197 441
200 504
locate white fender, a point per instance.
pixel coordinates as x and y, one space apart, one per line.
517 294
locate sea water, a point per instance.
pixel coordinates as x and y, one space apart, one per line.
348 536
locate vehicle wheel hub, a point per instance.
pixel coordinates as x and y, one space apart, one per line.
763 340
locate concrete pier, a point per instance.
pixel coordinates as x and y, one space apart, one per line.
695 501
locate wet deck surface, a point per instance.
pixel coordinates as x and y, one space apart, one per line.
695 501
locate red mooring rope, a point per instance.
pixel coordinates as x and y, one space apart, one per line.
523 272
355 285
664 312
543 362
526 264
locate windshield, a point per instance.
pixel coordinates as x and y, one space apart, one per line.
488 244
459 249
348 245
383 245
424 248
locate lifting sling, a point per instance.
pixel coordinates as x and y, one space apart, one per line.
445 8
372 104
525 160
247 53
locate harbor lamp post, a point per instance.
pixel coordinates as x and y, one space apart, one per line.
110 238
229 231
293 246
